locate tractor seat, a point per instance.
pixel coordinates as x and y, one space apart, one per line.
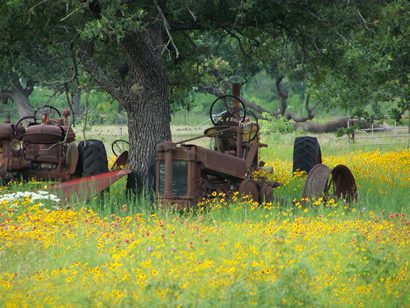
249 131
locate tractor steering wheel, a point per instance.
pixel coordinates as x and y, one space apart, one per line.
15 128
251 127
223 110
49 110
119 146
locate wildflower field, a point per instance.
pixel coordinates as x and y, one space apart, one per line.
116 251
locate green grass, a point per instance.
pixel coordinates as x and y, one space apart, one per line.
122 250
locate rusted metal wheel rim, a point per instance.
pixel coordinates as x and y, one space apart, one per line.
316 181
342 184
336 183
121 161
250 188
266 193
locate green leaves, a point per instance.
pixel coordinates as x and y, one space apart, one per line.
114 23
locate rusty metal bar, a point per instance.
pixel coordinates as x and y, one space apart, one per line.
202 136
168 175
239 143
236 92
88 187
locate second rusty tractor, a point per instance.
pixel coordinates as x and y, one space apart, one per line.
43 147
187 173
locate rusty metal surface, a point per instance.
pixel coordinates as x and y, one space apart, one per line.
43 151
119 146
342 183
252 155
120 161
43 134
336 183
222 163
69 134
266 193
316 181
88 187
71 158
6 131
248 187
212 161
221 170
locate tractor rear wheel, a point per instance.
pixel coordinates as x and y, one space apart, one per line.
306 153
92 158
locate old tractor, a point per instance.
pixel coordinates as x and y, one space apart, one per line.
184 173
187 173
43 147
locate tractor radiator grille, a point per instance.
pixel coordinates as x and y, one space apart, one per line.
179 178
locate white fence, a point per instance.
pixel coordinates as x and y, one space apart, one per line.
377 136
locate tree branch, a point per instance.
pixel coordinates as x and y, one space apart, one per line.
223 81
182 26
283 96
310 112
218 92
211 90
29 87
234 35
15 80
167 30
97 73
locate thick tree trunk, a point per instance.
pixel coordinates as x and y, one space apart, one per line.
143 94
23 103
148 125
148 112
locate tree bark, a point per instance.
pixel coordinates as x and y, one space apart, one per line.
143 95
19 95
76 98
22 101
282 94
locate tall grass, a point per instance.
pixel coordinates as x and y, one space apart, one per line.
119 249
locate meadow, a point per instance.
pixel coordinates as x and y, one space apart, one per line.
118 250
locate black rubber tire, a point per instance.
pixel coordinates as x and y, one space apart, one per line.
306 153
92 158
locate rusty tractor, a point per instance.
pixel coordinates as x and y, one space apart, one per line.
184 173
187 173
46 150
